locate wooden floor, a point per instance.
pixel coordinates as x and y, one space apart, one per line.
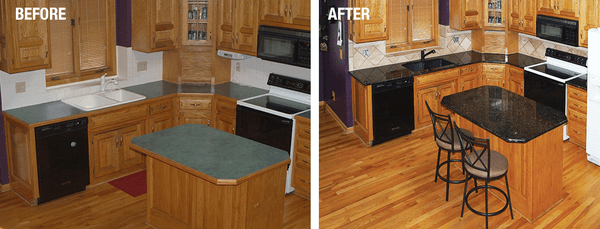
391 185
105 206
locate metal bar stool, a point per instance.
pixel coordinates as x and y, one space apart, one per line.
483 163
446 139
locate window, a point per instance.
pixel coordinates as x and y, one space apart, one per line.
83 46
413 24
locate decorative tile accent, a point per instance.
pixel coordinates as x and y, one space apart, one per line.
528 47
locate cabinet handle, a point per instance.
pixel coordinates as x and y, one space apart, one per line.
46 46
577 105
121 141
236 38
577 117
306 162
502 83
286 14
465 21
305 181
153 128
210 36
208 122
581 34
117 141
521 88
575 93
305 146
153 37
463 86
195 104
577 132
308 132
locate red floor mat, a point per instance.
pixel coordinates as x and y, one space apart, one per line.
134 184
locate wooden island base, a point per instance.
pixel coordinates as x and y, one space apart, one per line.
180 199
535 169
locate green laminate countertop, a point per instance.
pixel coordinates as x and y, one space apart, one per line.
210 151
57 109
305 114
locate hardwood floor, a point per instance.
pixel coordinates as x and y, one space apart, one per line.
391 185
105 206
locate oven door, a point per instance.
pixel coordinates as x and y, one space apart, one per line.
265 128
545 91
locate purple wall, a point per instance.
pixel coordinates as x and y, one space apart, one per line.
335 72
123 22
444 11
3 157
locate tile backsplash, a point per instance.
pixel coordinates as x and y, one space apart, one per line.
378 57
536 47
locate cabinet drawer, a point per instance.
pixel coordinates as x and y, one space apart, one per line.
226 107
301 180
577 94
436 77
303 144
577 133
575 104
303 132
471 69
496 68
577 117
161 106
119 116
195 103
514 71
301 162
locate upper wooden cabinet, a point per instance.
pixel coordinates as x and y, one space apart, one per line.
588 19
559 8
466 14
494 14
237 26
24 44
521 16
293 14
197 22
155 25
374 29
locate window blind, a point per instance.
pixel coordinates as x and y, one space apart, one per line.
93 34
61 42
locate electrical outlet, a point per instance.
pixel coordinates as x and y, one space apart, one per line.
333 95
142 66
366 53
238 67
20 87
455 39
523 40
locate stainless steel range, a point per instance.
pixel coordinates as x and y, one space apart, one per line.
269 118
545 83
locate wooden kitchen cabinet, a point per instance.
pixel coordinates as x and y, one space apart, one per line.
237 26
197 19
301 162
293 14
433 96
577 115
362 111
111 154
568 9
196 110
588 19
22 164
155 25
225 114
494 75
160 122
24 44
522 16
469 77
466 14
374 29
515 80
494 14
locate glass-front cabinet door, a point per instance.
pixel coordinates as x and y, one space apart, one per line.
197 16
494 14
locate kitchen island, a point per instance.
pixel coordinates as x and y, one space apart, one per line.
201 177
527 133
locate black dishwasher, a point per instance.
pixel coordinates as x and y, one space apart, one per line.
62 159
393 109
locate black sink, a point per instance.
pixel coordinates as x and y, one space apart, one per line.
428 64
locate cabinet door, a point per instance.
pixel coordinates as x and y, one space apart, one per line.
164 24
225 23
274 11
588 19
106 153
197 22
444 90
130 157
529 14
362 111
374 29
246 26
468 82
514 15
160 122
195 117
515 85
300 13
225 123
471 13
569 8
430 95
27 42
493 80
546 6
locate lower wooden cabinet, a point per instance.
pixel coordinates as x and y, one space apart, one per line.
432 88
111 154
225 114
577 114
494 75
515 80
469 77
362 111
160 122
225 122
301 162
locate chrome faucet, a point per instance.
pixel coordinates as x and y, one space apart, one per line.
423 54
104 82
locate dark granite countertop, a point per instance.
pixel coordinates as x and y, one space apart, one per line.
57 109
380 74
507 115
210 151
305 114
580 82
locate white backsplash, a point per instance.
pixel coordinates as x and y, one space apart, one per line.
536 47
35 81
255 72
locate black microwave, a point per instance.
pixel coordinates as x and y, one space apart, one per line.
558 29
288 46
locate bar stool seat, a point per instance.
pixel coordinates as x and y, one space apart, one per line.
498 168
444 140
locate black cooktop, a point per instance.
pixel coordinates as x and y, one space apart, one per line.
556 71
278 104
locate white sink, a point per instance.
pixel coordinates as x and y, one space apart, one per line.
103 99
